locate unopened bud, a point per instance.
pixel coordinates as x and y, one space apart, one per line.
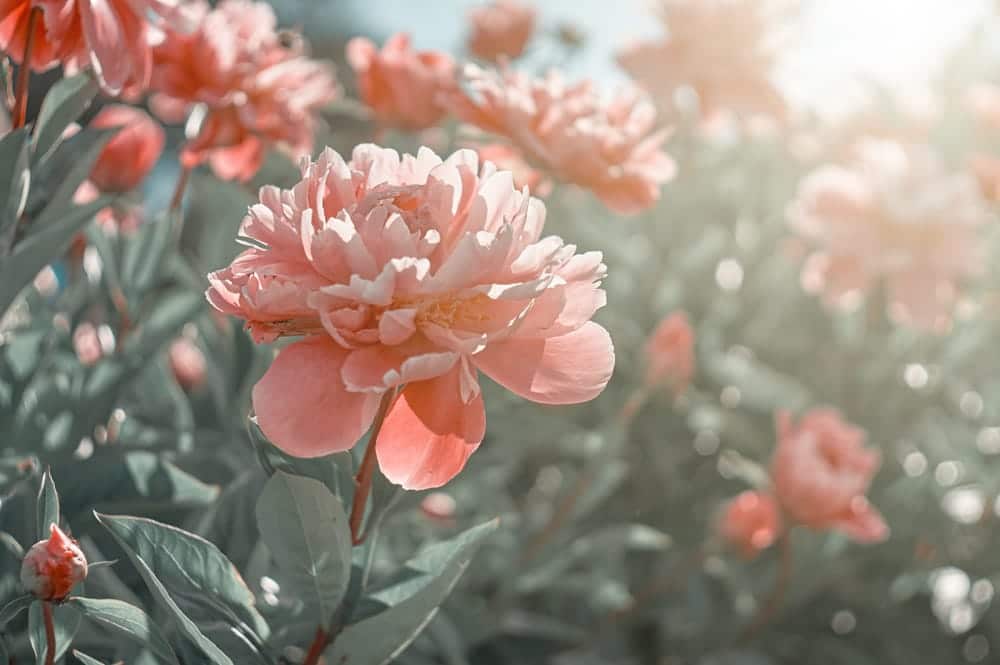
52 567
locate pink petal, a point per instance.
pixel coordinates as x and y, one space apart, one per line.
104 39
567 369
429 433
302 405
863 523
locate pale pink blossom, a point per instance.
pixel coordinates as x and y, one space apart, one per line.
669 354
405 89
611 148
893 219
986 168
87 344
501 29
187 362
410 273
507 158
821 471
750 523
249 86
131 153
439 507
983 101
725 50
52 567
124 215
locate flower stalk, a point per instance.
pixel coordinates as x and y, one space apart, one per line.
366 472
20 110
50 633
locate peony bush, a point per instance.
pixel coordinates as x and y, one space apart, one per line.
726 366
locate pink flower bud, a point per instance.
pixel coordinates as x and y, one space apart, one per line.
439 507
751 523
670 354
131 153
187 363
52 567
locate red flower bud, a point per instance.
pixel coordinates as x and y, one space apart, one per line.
52 567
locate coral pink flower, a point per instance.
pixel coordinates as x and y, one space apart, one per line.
568 132
52 567
253 88
730 70
14 23
507 158
501 29
131 153
751 523
416 274
187 362
893 219
403 88
821 471
670 353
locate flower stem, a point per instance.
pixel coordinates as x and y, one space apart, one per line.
770 608
20 111
363 480
50 634
178 196
319 643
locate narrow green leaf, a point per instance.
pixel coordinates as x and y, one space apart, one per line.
15 177
305 527
47 507
85 659
410 604
127 620
9 543
64 103
54 186
15 607
66 622
143 257
121 531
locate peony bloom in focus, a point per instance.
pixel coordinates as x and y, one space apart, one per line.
571 134
893 219
821 471
416 274
131 153
501 29
14 24
670 354
403 88
722 49
52 567
751 523
187 362
251 87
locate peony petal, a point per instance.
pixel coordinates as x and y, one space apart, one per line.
863 523
567 369
302 405
429 433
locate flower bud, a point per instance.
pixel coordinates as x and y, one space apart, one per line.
52 567
187 362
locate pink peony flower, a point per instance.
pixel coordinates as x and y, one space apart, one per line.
131 153
751 523
894 219
14 23
821 471
568 132
52 567
187 362
507 158
416 274
670 353
501 29
730 70
403 88
254 88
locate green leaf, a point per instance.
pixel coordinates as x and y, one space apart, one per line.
40 247
167 317
15 607
409 604
47 507
123 530
54 185
189 566
65 621
143 256
305 527
15 177
128 620
64 103
85 659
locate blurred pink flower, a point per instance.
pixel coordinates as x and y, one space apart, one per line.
439 507
569 133
501 29
987 172
131 153
722 49
507 158
896 219
123 215
14 22
417 274
983 101
87 344
821 472
751 523
670 353
403 88
187 362
52 567
250 86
